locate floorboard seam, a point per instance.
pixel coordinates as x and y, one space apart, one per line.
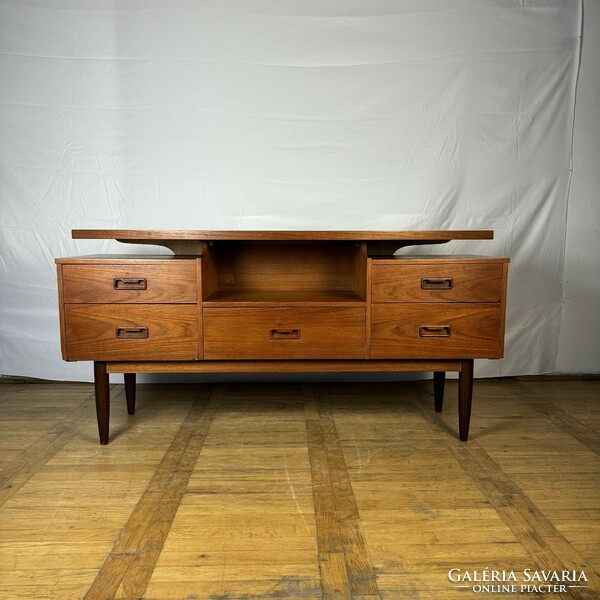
577 429
344 563
518 511
129 566
23 467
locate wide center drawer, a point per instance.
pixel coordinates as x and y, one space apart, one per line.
437 282
131 332
167 282
284 333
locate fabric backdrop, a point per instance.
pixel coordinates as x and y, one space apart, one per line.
285 114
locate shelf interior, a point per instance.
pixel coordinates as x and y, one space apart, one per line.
282 297
306 272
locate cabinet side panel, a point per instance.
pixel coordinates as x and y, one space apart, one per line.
61 311
369 278
209 274
359 284
199 312
503 308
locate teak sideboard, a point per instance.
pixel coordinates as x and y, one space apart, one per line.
281 301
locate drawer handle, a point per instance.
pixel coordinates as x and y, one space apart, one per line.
132 333
436 283
123 283
435 331
284 334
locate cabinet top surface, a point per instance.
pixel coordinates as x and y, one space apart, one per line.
283 235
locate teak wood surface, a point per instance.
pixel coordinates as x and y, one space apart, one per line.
281 333
281 235
198 242
158 282
435 330
472 282
92 331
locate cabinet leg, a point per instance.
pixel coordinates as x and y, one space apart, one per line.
439 380
130 392
465 397
102 400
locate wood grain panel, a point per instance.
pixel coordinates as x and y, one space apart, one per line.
399 282
188 234
90 331
284 267
285 366
209 273
474 331
359 274
61 310
170 282
369 303
246 333
270 298
199 267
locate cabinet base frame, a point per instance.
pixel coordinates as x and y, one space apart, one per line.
463 367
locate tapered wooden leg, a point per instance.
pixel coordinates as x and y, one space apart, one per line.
465 397
439 380
102 400
130 392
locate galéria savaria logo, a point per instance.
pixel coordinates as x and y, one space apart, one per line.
527 581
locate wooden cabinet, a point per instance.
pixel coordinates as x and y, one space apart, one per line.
281 301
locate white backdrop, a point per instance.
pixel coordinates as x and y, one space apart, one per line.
268 114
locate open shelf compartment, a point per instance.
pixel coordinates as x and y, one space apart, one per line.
246 272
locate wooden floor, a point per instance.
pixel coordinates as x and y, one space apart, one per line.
251 491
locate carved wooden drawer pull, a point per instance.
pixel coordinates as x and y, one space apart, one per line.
124 283
437 283
435 331
132 333
284 334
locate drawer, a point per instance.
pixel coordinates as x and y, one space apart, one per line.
437 282
284 333
168 282
436 331
138 332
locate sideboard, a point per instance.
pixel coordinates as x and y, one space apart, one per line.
281 301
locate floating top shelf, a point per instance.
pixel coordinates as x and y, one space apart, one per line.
285 235
192 242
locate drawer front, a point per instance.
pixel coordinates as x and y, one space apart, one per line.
437 283
284 333
140 332
173 282
436 331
